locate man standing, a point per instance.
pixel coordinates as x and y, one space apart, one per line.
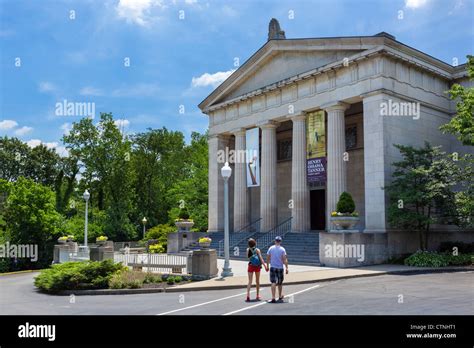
276 258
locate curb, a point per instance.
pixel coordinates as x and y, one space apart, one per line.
20 272
175 289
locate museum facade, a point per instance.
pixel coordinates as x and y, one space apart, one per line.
322 115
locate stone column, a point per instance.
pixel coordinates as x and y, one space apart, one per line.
299 188
240 182
374 163
336 147
216 184
268 185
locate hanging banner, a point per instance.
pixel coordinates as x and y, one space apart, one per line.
316 148
252 159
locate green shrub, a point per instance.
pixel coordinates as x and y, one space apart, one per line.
156 249
178 279
345 204
77 276
127 279
160 233
170 280
434 259
183 214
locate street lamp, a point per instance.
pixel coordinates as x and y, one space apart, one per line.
144 221
86 197
226 172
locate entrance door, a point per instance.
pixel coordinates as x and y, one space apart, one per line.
318 209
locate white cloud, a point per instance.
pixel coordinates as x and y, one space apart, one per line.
415 3
66 128
46 87
7 124
229 11
89 90
137 11
23 131
190 2
213 80
33 142
121 123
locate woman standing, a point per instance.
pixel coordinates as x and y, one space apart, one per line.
255 265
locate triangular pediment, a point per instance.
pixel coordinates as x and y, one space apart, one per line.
278 60
284 65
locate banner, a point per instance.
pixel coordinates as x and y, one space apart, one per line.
316 148
252 159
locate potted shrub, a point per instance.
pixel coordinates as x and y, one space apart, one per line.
183 222
101 240
66 239
345 217
205 242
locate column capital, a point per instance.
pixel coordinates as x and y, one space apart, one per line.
335 106
267 124
238 131
301 116
219 136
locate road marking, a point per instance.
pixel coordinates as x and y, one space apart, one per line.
261 304
204 303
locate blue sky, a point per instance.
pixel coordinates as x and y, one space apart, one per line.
77 50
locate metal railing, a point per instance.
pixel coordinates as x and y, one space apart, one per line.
161 263
280 230
238 237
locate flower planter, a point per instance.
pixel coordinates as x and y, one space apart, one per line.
184 225
205 245
344 222
62 241
100 242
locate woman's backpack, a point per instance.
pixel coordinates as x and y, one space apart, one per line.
254 259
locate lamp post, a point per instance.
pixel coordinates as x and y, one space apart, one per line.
226 172
86 197
144 221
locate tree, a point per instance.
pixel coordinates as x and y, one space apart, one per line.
421 191
157 161
192 191
462 124
105 153
30 217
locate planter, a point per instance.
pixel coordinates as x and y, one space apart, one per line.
205 245
62 241
184 225
344 222
100 242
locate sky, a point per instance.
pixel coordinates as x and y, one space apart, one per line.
151 62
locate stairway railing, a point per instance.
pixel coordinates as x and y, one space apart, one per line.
280 230
236 238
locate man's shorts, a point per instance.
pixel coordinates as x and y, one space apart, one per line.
276 275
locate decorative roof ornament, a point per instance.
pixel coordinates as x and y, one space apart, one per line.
274 31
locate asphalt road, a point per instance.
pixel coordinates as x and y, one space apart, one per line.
421 294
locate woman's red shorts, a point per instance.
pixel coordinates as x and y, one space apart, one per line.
253 268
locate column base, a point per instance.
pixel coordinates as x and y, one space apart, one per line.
382 230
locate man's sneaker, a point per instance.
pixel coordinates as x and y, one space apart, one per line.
272 301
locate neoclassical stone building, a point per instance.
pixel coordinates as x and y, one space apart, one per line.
348 79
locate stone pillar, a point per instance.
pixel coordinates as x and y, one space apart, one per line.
216 184
374 163
268 193
336 147
299 188
240 182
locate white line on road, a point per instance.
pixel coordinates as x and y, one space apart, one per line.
204 303
261 304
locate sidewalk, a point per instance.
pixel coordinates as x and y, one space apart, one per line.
309 274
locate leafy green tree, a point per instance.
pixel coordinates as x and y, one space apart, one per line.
462 124
157 162
192 191
31 218
105 154
421 192
13 156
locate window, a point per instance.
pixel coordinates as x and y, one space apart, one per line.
351 137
